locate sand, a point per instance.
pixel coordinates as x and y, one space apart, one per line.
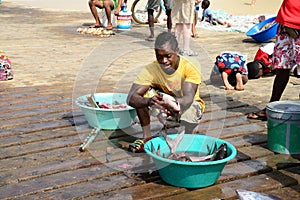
233 7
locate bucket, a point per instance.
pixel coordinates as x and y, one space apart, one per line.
124 20
284 127
189 174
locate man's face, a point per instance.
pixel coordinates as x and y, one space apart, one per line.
167 58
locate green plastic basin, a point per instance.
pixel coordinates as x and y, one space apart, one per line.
109 119
189 174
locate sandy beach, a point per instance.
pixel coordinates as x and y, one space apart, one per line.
233 7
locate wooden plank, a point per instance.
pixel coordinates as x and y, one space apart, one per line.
55 181
159 190
264 182
90 188
42 104
30 128
38 136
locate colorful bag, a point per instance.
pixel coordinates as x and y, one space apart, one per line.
6 72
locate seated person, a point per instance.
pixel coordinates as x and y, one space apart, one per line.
207 14
262 63
167 88
108 5
230 67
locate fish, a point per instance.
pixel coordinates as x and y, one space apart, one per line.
249 195
214 154
220 153
173 143
217 154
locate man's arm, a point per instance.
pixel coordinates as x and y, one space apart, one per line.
137 100
189 90
136 96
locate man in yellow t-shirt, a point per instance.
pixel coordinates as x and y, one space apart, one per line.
170 75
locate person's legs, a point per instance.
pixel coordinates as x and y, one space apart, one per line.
184 30
94 4
169 20
239 82
168 6
194 30
151 24
152 5
144 118
108 6
279 84
226 82
178 32
281 79
186 36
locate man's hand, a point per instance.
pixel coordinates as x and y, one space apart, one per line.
165 103
171 104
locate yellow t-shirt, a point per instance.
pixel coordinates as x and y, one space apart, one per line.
188 71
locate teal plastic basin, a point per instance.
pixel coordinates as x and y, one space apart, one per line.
109 119
189 174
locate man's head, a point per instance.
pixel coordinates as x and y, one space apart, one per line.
205 4
166 49
254 70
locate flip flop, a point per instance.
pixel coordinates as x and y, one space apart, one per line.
257 116
96 26
151 39
138 145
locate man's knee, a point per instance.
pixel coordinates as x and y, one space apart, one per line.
108 4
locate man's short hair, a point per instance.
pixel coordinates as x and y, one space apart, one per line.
164 39
253 69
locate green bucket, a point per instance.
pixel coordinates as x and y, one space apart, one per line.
189 174
284 127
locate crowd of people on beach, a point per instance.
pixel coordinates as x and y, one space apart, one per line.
168 88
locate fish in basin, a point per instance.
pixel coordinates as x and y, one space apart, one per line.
216 153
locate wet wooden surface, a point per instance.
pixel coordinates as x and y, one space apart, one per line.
41 128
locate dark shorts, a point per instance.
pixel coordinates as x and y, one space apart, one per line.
154 4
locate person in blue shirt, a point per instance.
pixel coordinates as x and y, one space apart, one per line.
207 14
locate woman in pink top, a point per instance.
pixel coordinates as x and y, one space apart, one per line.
286 50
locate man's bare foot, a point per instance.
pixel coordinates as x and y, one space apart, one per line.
229 87
239 87
239 82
